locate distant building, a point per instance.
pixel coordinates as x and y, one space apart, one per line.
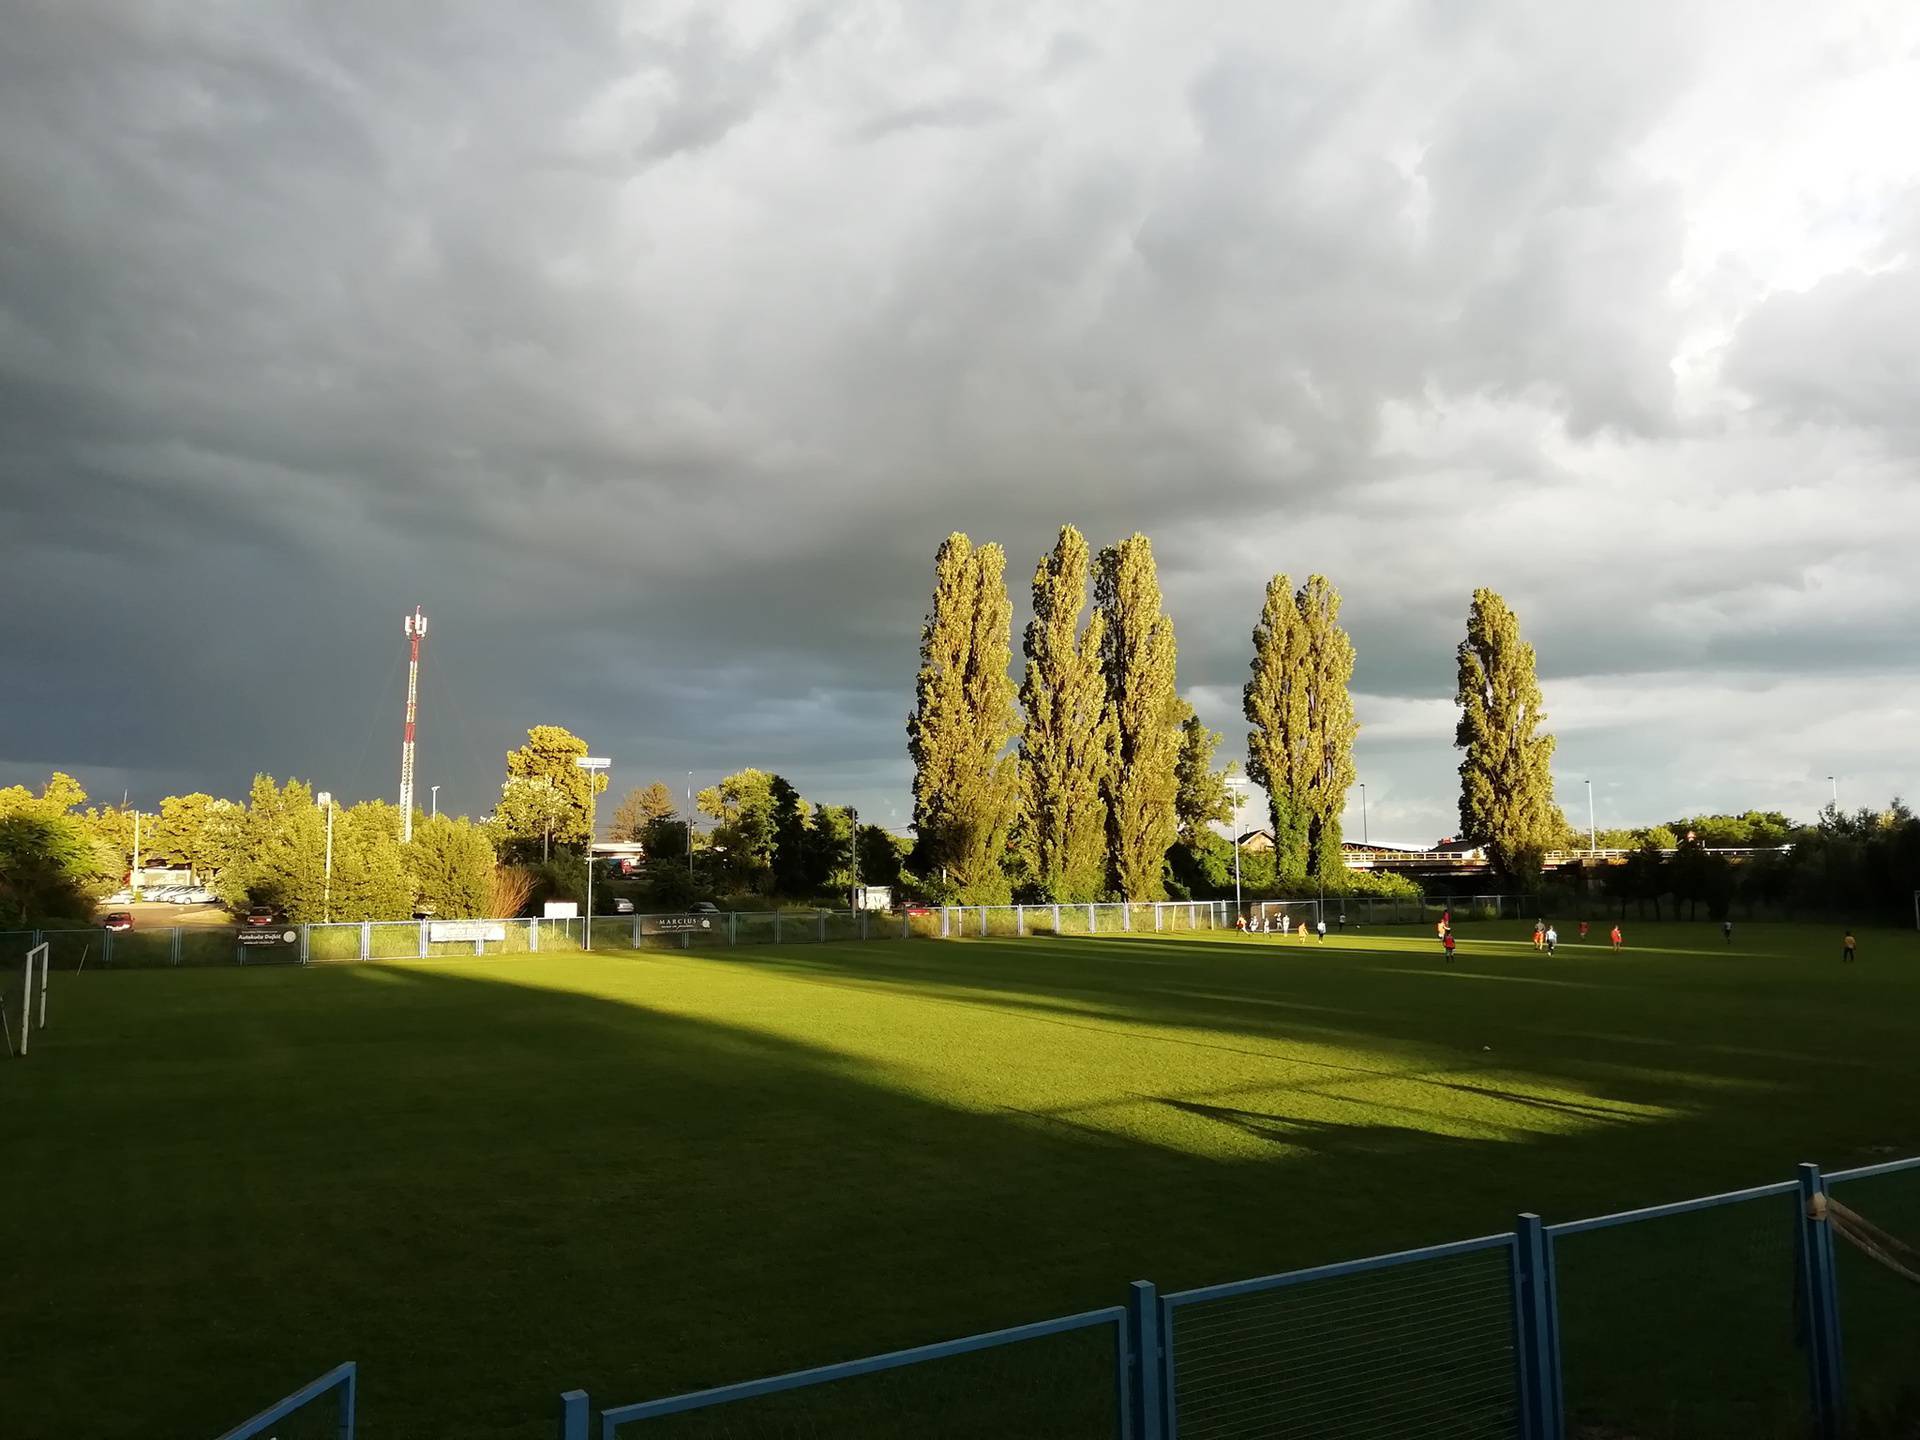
1257 841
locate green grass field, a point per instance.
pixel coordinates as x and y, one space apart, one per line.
491 1180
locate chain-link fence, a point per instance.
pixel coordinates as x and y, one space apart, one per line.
1421 1346
1653 1301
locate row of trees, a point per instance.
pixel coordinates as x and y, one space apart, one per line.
58 860
1094 777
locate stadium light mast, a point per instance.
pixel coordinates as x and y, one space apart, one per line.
1593 836
1365 838
416 628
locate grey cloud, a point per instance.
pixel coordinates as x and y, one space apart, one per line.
621 350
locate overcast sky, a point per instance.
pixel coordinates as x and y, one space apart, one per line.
654 349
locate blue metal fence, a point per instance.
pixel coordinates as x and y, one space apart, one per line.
1735 1313
322 1407
1507 1337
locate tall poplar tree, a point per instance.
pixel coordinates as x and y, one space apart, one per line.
1506 779
1275 702
1328 752
1201 798
1137 650
1300 705
1066 748
965 784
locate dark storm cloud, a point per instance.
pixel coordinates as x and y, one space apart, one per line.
654 353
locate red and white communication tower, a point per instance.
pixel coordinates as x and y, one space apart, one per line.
416 632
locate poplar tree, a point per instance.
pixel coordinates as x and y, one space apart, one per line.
1137 651
1328 752
1506 780
1275 703
965 785
1066 748
1201 796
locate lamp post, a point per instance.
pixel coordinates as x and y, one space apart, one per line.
592 764
1365 838
853 854
1593 836
1236 784
689 825
433 799
325 797
1836 791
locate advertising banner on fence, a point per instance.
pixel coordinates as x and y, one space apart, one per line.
271 935
675 924
444 930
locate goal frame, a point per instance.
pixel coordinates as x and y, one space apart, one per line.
44 953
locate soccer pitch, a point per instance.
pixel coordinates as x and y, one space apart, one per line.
490 1180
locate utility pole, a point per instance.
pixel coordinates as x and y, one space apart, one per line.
325 797
416 628
689 825
133 875
853 844
1365 838
433 797
1593 835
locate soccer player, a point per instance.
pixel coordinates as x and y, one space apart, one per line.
1320 928
1553 939
1846 947
1301 930
1539 934
1440 927
1447 940
1616 937
1240 923
1583 930
1726 931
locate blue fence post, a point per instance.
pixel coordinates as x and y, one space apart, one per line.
349 1402
1536 1331
573 1415
1145 1404
1820 1303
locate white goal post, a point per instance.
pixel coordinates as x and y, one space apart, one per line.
41 952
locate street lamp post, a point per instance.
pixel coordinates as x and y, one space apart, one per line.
325 797
592 764
1365 838
1836 791
1593 836
433 799
1237 785
689 826
853 856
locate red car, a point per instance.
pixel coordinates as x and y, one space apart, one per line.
261 916
116 920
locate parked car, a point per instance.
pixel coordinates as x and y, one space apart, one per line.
622 905
259 917
119 897
116 920
171 894
197 895
703 907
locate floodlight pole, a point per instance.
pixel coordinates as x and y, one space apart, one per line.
1836 792
433 799
1593 836
689 825
325 797
1236 784
1365 838
592 764
853 855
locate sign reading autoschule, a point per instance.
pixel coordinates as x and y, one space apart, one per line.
268 935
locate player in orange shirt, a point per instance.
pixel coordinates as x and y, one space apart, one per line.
1616 937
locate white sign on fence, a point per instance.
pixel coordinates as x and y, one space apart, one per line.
441 930
562 910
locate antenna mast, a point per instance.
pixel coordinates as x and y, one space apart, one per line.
416 631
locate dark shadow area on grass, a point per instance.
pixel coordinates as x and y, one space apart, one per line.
487 1191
